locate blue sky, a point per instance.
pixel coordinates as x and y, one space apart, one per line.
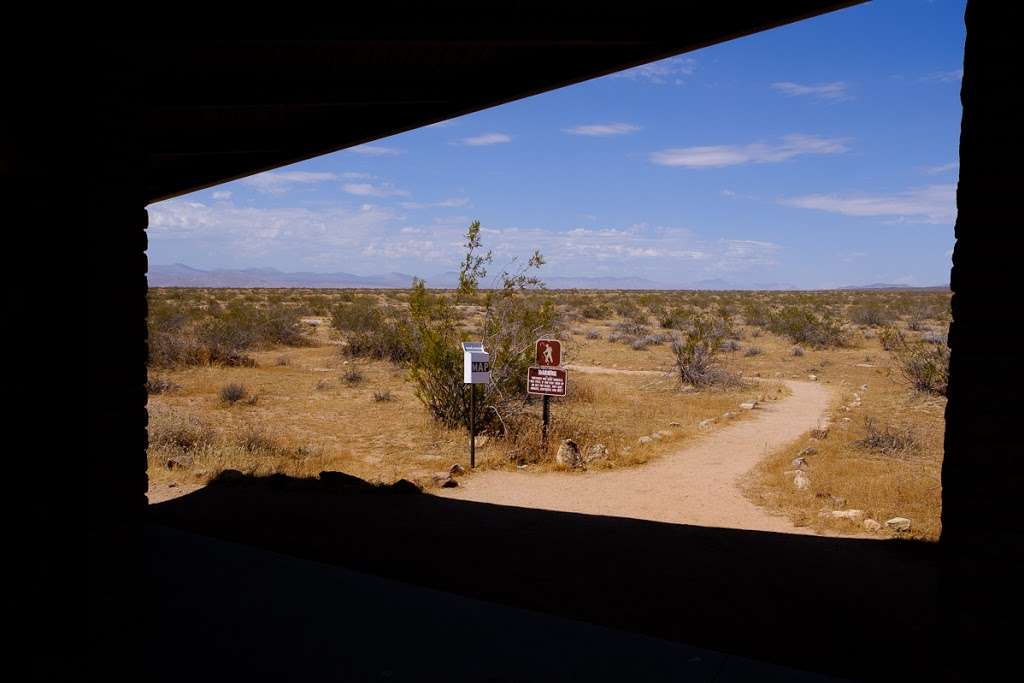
818 154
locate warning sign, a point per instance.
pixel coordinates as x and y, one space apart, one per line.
546 381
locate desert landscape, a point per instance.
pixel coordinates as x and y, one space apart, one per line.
809 412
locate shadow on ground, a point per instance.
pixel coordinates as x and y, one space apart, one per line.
848 607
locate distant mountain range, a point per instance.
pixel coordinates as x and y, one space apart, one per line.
180 275
882 285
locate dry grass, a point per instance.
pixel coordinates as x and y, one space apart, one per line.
318 411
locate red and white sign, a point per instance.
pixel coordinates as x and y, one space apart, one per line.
546 381
549 353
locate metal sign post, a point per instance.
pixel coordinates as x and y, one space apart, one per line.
472 426
547 379
476 369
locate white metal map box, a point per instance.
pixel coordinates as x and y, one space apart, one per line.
476 363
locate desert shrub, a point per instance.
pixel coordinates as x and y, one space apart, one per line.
593 334
674 319
891 338
381 396
931 337
640 344
370 332
352 375
753 351
756 313
804 326
220 335
283 361
323 385
729 345
233 393
797 351
695 355
870 315
925 367
595 311
893 441
632 328
513 320
169 429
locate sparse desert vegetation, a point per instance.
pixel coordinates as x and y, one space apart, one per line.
369 382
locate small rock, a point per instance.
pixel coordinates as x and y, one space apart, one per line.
871 525
813 378
821 432
810 450
569 454
800 463
728 414
443 480
666 433
675 424
456 469
656 436
863 387
898 524
749 405
706 424
644 440
801 481
854 515
596 452
173 485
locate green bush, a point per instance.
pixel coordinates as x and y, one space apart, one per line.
696 352
804 326
925 367
513 321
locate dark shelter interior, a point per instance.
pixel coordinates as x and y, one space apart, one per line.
168 117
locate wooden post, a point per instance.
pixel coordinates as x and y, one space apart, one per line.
547 419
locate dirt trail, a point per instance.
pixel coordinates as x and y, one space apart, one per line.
696 485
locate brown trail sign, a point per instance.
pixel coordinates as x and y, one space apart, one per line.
549 353
547 379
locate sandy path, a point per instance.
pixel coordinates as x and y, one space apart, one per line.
696 485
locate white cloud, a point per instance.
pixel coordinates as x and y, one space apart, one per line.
375 150
371 190
279 182
931 204
953 76
222 195
601 130
941 168
444 204
486 139
251 232
671 70
756 153
824 91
